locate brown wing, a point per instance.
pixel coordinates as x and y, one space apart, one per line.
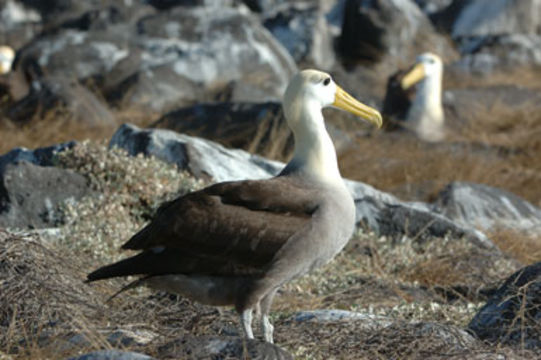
245 222
397 101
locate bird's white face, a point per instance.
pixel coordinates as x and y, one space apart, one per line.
432 64
312 86
427 65
321 88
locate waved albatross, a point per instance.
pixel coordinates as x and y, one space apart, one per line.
236 243
418 109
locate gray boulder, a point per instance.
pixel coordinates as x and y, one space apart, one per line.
412 220
202 158
157 89
304 31
497 17
157 60
32 190
512 315
387 215
60 95
76 53
56 13
222 347
485 54
112 355
31 196
18 23
369 321
41 156
169 4
263 6
495 34
396 29
487 207
430 7
118 338
224 49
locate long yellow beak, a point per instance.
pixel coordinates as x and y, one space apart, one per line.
413 76
347 102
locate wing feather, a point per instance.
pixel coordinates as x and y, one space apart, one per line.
246 222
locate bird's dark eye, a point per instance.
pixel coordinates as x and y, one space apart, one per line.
327 81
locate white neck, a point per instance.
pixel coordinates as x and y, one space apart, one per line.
426 114
428 99
314 150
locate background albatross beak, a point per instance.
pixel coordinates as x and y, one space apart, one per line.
347 102
413 76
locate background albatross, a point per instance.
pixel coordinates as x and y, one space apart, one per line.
418 108
236 243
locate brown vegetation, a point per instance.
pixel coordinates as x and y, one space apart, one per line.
523 76
494 146
59 126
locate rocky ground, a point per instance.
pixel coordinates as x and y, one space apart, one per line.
444 263
394 292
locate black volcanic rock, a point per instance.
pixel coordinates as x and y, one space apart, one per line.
32 189
512 315
63 95
31 195
255 127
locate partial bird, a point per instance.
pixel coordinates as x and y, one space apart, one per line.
7 55
413 99
236 243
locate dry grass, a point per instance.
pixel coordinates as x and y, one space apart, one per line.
524 76
48 313
41 295
393 271
47 328
493 146
59 126
524 247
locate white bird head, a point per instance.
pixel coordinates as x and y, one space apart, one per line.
307 93
313 90
7 55
428 65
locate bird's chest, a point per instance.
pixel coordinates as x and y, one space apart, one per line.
332 230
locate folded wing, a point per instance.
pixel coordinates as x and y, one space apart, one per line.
228 229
